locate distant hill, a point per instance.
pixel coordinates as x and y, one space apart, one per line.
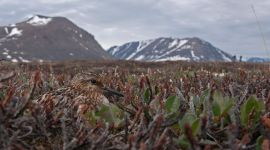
48 38
258 59
163 49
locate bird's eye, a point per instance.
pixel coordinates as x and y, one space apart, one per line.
93 81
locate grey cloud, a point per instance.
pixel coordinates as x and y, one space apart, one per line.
56 1
228 24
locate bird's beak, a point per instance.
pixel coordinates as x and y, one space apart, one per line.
114 92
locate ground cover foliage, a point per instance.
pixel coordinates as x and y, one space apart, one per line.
166 105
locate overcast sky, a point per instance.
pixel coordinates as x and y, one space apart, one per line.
228 24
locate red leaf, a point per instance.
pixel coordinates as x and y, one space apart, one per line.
265 144
266 121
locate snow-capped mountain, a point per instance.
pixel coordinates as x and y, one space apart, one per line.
48 38
163 49
258 59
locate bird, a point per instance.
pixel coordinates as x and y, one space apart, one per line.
91 91
86 91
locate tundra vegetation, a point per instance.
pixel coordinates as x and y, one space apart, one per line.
166 105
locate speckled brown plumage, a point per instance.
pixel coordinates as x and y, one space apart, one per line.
89 89
84 92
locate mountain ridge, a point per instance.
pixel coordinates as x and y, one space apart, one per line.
168 48
258 59
48 38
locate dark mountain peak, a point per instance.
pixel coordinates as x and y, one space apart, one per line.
48 38
169 48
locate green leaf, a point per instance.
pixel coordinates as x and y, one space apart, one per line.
227 108
198 104
92 118
183 142
191 74
111 114
146 97
216 109
221 105
205 95
2 95
196 100
172 104
103 109
205 99
196 126
259 141
252 104
131 78
188 118
218 96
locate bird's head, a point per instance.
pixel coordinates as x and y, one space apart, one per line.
90 81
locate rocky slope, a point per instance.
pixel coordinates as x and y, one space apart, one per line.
163 49
48 38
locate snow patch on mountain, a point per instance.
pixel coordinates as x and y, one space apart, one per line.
224 57
15 32
140 57
141 46
6 30
194 56
14 60
173 58
24 60
9 57
12 25
39 21
177 43
114 50
163 49
28 41
187 47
